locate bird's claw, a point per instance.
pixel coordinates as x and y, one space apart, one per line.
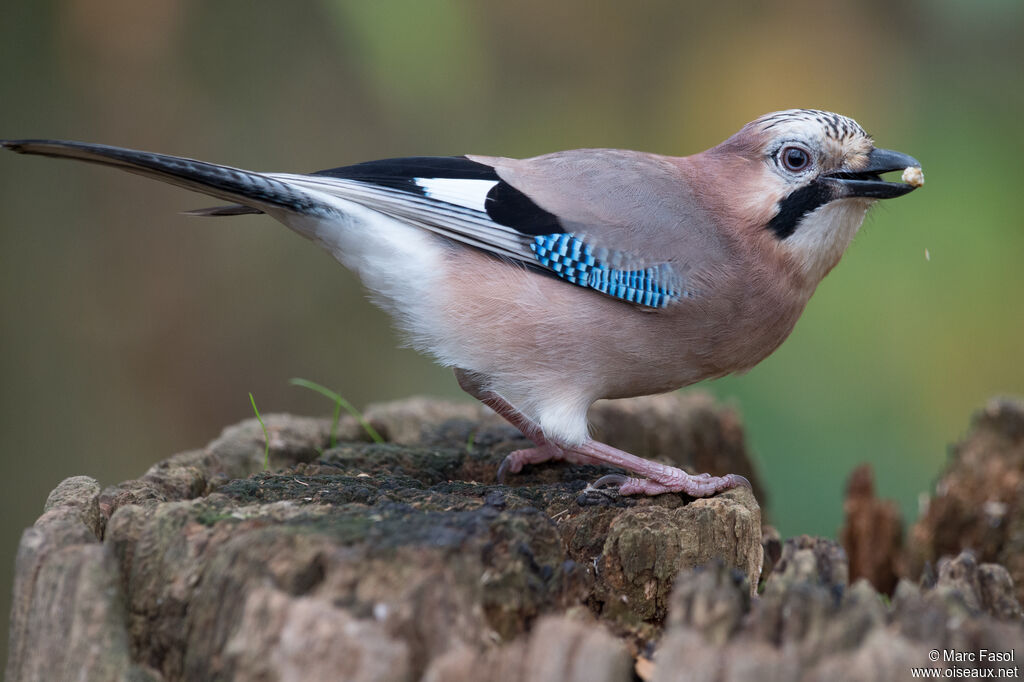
611 480
738 481
503 471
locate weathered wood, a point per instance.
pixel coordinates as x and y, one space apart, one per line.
978 503
67 617
405 561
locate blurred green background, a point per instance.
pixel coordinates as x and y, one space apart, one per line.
129 332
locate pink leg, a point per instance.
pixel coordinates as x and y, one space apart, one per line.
659 478
515 461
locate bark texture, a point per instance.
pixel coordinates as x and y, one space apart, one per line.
406 561
978 503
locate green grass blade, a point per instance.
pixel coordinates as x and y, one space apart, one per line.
339 403
266 436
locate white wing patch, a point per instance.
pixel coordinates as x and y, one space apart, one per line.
466 193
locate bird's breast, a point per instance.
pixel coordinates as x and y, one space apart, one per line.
517 327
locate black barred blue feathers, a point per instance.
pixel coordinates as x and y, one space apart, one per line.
574 261
462 182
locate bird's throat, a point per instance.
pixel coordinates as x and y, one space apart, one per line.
822 235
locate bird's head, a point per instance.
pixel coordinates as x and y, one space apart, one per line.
805 178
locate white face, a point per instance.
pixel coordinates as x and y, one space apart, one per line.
813 223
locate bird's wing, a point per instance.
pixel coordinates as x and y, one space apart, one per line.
638 204
620 223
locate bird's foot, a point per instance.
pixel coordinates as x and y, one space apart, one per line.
657 478
673 481
515 461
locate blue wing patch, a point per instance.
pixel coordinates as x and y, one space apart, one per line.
576 262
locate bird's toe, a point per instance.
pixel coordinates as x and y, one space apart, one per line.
611 481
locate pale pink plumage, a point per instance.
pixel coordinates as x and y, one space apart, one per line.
744 232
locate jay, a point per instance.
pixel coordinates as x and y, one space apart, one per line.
551 282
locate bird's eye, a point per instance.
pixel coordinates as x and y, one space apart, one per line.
795 158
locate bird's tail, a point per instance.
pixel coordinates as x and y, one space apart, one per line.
255 192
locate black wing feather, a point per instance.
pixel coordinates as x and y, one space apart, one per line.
505 204
384 171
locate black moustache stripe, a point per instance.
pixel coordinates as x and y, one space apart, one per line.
799 203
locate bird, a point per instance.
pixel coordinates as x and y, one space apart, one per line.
551 282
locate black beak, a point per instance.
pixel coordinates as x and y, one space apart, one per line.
867 182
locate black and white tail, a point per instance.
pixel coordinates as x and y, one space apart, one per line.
399 260
257 191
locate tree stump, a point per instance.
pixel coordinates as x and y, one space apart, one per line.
404 561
